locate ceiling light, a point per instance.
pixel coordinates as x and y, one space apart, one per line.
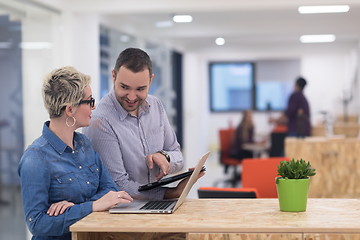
182 18
324 9
220 41
317 38
35 45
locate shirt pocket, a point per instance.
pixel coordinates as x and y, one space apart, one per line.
94 175
64 187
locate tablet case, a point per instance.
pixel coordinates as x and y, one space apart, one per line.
167 180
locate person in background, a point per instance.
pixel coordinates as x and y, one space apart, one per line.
132 133
62 177
297 113
244 133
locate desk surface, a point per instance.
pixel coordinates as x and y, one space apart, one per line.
233 215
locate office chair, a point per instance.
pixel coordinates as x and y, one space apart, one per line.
260 173
226 136
278 136
215 192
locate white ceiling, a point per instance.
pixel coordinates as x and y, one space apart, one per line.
246 23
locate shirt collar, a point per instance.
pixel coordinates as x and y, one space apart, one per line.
144 107
54 140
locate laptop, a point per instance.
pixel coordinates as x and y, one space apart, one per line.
161 206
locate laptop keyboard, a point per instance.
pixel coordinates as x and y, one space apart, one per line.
157 205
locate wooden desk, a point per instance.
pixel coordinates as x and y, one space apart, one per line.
199 219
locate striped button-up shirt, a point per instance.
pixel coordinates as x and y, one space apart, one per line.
123 142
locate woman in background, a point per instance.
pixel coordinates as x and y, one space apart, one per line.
244 133
62 177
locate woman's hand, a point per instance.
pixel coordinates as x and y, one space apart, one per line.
59 208
110 200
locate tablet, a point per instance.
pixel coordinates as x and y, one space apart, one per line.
167 180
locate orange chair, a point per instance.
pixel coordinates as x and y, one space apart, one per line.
280 129
260 173
215 192
226 136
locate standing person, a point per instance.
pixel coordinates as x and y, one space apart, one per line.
243 134
131 131
297 113
62 177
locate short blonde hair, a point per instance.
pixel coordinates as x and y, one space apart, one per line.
63 86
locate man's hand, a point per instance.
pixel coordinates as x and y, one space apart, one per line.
176 192
59 208
161 161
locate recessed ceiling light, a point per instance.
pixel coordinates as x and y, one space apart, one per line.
317 38
182 18
220 41
35 45
323 9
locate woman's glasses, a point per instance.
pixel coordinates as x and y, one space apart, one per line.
91 102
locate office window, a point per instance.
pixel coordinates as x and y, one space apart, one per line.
231 86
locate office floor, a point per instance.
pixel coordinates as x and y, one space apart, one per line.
12 223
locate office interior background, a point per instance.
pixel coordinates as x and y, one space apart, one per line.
37 36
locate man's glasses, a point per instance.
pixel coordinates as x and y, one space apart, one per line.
91 102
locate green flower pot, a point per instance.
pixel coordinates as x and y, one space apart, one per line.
292 194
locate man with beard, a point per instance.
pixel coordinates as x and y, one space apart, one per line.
131 131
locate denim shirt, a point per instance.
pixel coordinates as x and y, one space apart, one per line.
50 171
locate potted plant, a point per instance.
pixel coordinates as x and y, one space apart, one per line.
293 184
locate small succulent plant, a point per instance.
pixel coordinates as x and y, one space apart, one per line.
295 169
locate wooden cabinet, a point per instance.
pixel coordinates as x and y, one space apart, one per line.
333 236
244 236
337 164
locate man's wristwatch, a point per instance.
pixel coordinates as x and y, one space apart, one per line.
165 154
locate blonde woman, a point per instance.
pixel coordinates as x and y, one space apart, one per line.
62 177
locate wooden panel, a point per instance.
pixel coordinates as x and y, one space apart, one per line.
348 130
244 236
318 131
322 236
337 163
128 236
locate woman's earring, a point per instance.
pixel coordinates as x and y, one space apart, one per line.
67 123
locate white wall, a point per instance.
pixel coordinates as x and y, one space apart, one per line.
75 42
36 63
